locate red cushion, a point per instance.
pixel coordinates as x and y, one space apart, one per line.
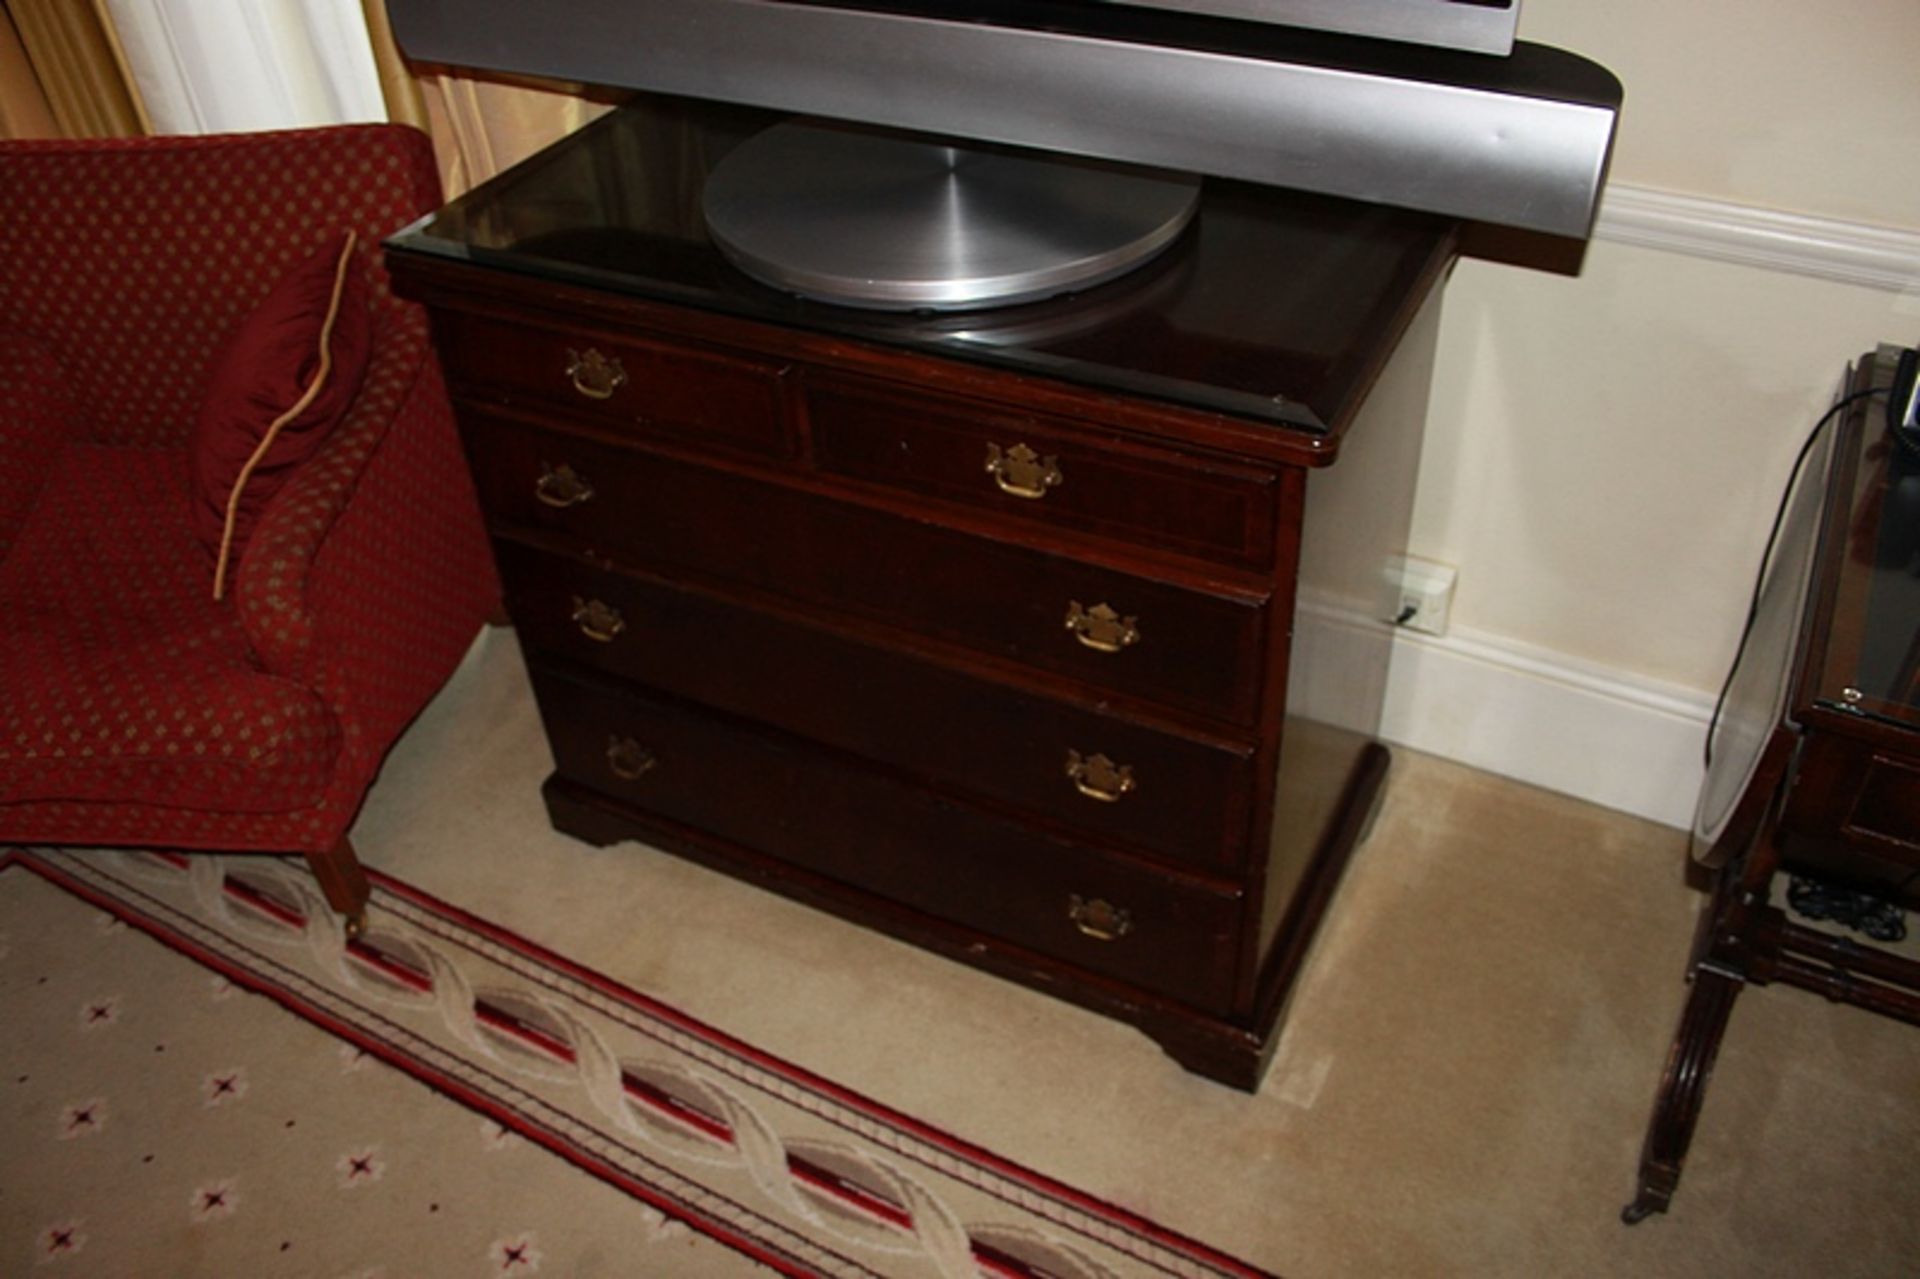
120 680
37 412
283 383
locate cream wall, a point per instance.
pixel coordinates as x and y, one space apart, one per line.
1797 105
1604 453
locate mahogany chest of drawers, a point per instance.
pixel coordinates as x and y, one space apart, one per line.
1058 650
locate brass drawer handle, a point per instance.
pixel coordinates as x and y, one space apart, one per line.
628 759
1100 628
1098 777
597 619
561 486
1100 920
594 375
1022 472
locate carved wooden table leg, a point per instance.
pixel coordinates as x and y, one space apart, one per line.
1682 1089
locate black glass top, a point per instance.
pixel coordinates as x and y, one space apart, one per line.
1273 305
1873 658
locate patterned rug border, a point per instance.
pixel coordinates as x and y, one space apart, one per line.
573 1152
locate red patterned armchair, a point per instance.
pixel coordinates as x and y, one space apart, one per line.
136 708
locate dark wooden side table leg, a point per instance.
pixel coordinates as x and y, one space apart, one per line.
343 882
1682 1089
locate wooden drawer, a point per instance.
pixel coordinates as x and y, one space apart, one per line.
1194 649
695 394
789 800
1862 802
1885 812
1181 799
1039 469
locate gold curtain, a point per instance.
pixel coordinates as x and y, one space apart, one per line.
480 125
483 126
397 85
77 64
24 109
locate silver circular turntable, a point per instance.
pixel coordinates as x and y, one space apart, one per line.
872 220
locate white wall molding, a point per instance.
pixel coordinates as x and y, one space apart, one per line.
1616 739
1858 253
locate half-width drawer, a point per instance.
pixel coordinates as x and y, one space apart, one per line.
694 394
786 799
1110 778
1184 646
1042 470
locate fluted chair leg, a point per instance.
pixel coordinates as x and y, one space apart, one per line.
343 882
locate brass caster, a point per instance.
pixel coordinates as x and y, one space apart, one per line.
1640 1209
356 924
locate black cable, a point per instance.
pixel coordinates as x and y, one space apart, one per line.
1766 558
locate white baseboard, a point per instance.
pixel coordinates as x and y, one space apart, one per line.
1612 738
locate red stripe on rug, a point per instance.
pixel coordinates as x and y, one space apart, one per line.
800 1075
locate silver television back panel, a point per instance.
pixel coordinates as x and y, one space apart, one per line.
1521 141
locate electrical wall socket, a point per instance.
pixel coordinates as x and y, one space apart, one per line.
1425 595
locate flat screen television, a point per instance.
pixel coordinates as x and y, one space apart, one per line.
1011 119
1521 140
1483 26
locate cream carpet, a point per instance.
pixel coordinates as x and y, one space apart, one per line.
1461 1087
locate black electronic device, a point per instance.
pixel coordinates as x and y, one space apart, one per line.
1903 400
1900 541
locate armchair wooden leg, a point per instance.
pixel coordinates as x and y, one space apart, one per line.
343 882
